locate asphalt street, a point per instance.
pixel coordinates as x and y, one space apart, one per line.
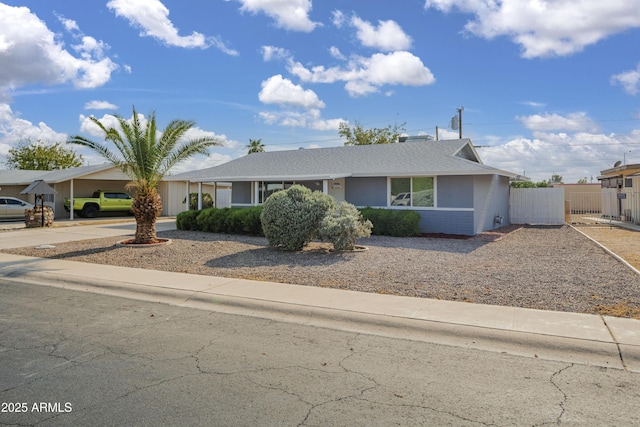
71 358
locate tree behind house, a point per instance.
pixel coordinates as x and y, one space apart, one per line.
29 155
255 146
357 135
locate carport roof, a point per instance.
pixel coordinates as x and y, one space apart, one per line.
26 177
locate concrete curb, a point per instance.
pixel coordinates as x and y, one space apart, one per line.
568 337
607 250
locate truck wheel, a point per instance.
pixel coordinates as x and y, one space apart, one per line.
90 211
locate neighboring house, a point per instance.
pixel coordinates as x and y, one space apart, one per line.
84 180
444 181
621 192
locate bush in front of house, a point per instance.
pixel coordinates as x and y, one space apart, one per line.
392 222
211 220
222 220
343 226
187 220
291 218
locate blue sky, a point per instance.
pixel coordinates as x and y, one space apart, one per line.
547 86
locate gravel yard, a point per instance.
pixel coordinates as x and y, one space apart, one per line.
550 268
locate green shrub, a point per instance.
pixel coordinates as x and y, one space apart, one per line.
391 222
343 226
250 220
211 220
291 218
207 201
187 220
230 220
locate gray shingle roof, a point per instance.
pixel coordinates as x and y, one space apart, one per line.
451 157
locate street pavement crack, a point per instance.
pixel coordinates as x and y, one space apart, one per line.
613 337
553 382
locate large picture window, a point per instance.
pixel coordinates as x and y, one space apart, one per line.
268 188
414 191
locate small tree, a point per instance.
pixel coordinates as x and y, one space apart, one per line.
28 155
360 136
207 201
529 184
146 155
255 146
291 218
343 226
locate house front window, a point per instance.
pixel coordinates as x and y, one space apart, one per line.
268 188
412 192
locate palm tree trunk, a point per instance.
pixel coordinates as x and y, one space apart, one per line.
146 208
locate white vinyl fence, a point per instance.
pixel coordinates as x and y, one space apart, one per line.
537 206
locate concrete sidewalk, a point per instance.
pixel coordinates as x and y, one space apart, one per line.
573 337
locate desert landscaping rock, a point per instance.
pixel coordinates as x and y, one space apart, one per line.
549 268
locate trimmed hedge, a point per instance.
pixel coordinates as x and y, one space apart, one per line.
391 222
187 220
222 220
387 222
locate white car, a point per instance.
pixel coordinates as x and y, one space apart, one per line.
12 208
402 199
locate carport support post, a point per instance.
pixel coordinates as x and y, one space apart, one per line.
200 196
188 199
71 201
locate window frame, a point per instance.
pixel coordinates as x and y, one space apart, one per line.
411 192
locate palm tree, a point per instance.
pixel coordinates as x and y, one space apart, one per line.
255 146
146 157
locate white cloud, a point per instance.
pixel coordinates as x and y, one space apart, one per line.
366 75
630 80
270 53
288 14
387 36
573 122
14 129
278 90
337 18
200 162
152 17
30 54
335 52
100 105
546 28
573 156
69 24
88 127
570 145
534 104
305 119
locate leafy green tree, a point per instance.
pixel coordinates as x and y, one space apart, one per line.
28 155
357 135
582 180
146 156
255 146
